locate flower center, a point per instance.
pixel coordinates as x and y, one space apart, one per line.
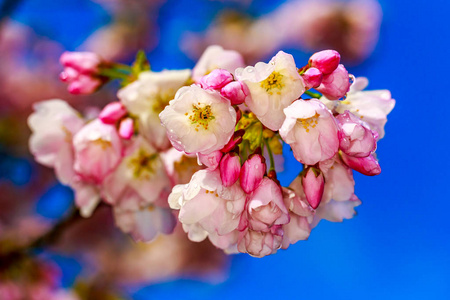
273 82
309 122
161 100
212 192
102 143
201 116
143 164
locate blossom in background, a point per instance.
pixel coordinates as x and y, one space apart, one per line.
350 27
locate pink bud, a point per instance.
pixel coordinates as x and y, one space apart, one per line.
236 92
252 172
326 61
126 128
112 112
335 85
313 184
355 137
211 161
234 141
230 167
83 62
217 79
365 165
312 78
84 85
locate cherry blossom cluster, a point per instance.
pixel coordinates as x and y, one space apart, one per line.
234 120
214 160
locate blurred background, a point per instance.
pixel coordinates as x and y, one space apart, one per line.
397 247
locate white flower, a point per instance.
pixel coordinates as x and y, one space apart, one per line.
198 120
273 87
215 57
147 97
371 107
139 180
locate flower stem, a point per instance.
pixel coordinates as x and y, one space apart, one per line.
272 161
113 73
312 94
122 67
48 238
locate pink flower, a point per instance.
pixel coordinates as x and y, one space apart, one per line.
230 167
252 173
336 211
273 87
339 183
259 243
236 92
98 151
312 78
266 207
355 137
311 131
112 112
372 107
144 224
217 79
313 186
140 178
206 206
326 61
146 97
81 71
335 85
198 120
215 57
365 165
53 125
300 214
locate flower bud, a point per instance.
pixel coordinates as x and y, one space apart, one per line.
335 85
312 78
234 141
112 112
217 79
365 165
326 61
126 128
355 137
83 84
230 167
83 62
211 161
313 184
236 92
81 72
252 172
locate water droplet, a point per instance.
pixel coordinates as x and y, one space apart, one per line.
256 167
250 70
